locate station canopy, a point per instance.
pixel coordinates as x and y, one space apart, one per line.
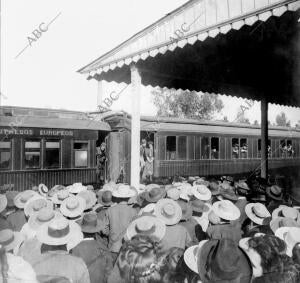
243 48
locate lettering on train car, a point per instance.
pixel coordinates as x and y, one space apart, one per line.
9 131
55 133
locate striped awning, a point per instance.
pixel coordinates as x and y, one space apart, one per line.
195 21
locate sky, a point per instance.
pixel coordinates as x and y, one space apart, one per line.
44 74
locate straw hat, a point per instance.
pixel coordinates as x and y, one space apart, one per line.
110 186
124 191
286 211
90 223
58 231
3 202
73 206
168 211
149 208
42 217
146 225
105 198
201 192
275 192
257 212
225 209
60 196
227 194
155 194
173 194
184 196
201 181
191 256
10 239
149 187
21 198
199 206
282 222
90 198
186 209
214 188
55 189
43 190
76 188
35 204
291 236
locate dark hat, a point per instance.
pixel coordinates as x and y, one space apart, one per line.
275 192
186 208
223 261
228 194
105 198
214 188
199 206
155 194
90 223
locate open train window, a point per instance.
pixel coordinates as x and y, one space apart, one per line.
52 154
283 148
171 148
32 152
243 148
259 148
235 148
289 149
215 147
182 147
205 148
80 154
5 154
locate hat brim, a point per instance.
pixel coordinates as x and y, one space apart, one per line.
131 193
76 189
156 198
202 221
18 239
268 192
55 199
17 199
189 256
252 216
73 213
89 229
234 215
35 224
91 201
197 195
28 209
3 204
172 220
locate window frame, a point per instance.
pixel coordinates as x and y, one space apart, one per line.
45 150
219 147
10 156
166 147
26 150
74 150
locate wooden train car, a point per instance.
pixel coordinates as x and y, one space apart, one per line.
47 146
191 147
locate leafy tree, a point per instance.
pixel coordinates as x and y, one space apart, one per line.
281 120
240 117
186 104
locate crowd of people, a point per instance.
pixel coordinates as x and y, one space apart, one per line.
193 230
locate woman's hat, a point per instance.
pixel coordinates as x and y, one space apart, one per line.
168 211
186 209
291 236
191 256
223 261
173 194
227 194
257 212
124 191
90 223
73 206
90 198
149 208
285 211
279 222
105 198
43 190
155 194
146 225
201 192
76 188
3 202
225 209
35 204
42 217
10 239
199 206
60 196
21 198
58 231
275 192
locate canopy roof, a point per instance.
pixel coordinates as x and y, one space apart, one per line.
244 48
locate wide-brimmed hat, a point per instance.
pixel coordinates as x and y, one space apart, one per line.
124 191
90 223
283 222
149 187
168 211
3 202
201 182
225 209
146 225
10 195
55 189
201 192
223 261
73 206
43 190
105 198
214 188
60 196
227 194
10 239
59 231
35 204
42 217
155 194
21 198
291 236
76 188
257 212
110 186
186 209
242 188
149 208
275 192
191 256
199 206
285 211
90 198
173 193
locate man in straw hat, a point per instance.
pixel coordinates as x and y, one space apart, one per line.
55 259
96 255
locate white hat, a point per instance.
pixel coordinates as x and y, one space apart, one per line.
42 217
225 209
286 211
73 206
90 198
21 198
257 212
35 204
291 236
201 192
124 191
76 188
10 239
191 256
149 208
43 190
3 202
60 196
169 211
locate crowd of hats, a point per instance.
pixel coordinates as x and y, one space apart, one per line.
60 216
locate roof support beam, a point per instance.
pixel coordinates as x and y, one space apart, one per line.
99 93
264 138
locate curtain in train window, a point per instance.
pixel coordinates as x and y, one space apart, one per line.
182 147
259 149
171 148
289 149
215 149
32 154
235 148
81 154
5 155
243 148
52 154
205 148
283 149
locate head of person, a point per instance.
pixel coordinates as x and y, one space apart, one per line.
144 143
103 146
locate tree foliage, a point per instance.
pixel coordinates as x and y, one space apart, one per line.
186 104
241 118
281 120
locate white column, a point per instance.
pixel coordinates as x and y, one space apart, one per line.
135 126
99 93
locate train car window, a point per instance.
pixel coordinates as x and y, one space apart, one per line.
259 149
235 148
5 155
205 148
243 148
182 148
171 148
52 154
215 148
32 154
81 154
283 149
290 149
